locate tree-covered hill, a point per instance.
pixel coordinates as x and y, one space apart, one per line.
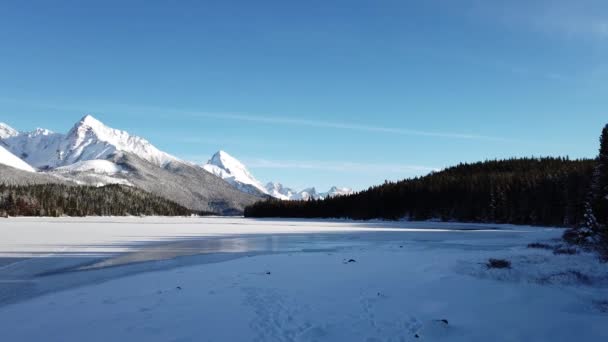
60 199
538 191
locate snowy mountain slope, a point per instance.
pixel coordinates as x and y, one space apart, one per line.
89 139
96 166
90 178
12 176
188 185
9 159
234 172
277 190
37 148
7 131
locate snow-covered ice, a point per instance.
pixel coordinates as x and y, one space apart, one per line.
295 280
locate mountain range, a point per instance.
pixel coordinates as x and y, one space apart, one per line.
234 172
93 154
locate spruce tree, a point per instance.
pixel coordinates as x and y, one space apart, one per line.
600 206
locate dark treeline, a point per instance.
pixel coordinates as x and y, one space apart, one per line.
536 191
58 200
593 231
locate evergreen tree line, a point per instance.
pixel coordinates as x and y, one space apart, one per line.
535 191
593 232
59 200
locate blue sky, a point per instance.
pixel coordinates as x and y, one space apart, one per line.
317 92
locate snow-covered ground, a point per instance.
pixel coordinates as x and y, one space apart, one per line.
288 280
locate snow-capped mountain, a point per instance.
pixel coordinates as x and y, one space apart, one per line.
91 153
7 131
9 159
336 191
38 148
277 190
89 139
311 193
306 194
94 154
234 172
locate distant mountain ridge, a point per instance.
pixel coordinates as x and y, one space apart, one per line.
281 192
234 172
92 153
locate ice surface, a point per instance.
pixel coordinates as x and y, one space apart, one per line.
408 282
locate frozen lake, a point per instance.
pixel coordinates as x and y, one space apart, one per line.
39 255
290 280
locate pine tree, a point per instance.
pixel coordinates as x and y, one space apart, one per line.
593 232
601 197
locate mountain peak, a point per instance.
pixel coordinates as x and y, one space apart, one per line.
221 154
275 185
277 190
89 121
90 139
87 117
224 160
337 191
41 131
7 131
234 172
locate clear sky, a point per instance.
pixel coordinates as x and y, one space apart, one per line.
316 92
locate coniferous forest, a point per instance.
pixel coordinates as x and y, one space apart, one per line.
536 191
58 200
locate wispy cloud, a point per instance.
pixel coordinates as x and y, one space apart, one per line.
339 166
266 119
276 120
586 19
